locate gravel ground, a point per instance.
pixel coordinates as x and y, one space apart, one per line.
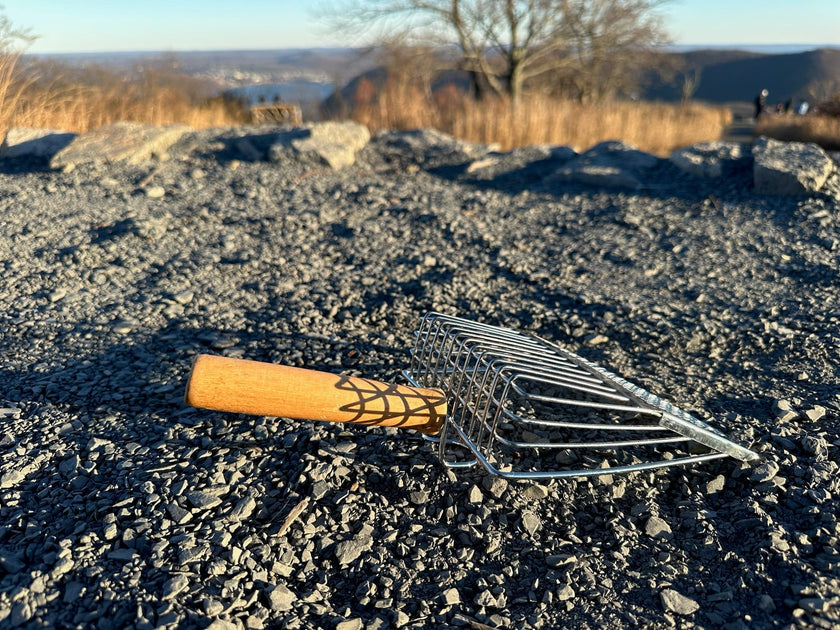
121 508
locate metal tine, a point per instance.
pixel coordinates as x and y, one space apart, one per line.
562 373
581 472
493 431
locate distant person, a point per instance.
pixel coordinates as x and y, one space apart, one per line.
761 103
802 108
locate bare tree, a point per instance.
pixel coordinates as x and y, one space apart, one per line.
505 44
609 44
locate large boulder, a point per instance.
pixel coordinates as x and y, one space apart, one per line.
129 142
709 159
333 144
609 164
22 142
789 168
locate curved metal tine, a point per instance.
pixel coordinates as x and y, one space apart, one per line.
421 347
564 373
428 362
589 472
638 393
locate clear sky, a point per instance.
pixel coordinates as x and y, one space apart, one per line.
177 25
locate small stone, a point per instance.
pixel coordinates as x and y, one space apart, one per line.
419 497
531 522
784 410
596 340
203 500
678 603
485 598
350 624
174 586
154 192
657 528
535 492
64 565
565 593
451 596
764 471
58 294
280 598
496 486
242 510
347 551
178 514
212 607
715 485
184 297
817 412
123 327
475 496
109 532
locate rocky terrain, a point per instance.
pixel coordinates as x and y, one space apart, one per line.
711 279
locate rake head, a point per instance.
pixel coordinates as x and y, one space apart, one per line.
524 408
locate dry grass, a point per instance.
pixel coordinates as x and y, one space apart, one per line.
653 127
822 130
79 100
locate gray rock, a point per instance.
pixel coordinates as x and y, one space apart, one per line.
655 527
675 602
128 142
175 586
715 485
531 523
203 500
243 509
347 551
708 159
789 168
331 143
350 624
38 143
765 471
280 598
450 597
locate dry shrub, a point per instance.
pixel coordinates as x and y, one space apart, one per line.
52 96
538 119
819 129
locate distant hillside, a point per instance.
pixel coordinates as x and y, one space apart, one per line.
737 75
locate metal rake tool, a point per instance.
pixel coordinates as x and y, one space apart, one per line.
520 406
525 408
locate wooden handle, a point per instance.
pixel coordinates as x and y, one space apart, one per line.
266 389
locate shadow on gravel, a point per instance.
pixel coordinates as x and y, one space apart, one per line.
22 165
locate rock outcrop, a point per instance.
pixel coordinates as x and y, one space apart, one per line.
119 142
333 144
789 168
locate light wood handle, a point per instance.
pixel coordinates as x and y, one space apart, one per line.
266 389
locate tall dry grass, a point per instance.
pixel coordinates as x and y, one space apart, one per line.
538 119
821 130
52 96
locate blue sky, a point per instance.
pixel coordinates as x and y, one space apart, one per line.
173 25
